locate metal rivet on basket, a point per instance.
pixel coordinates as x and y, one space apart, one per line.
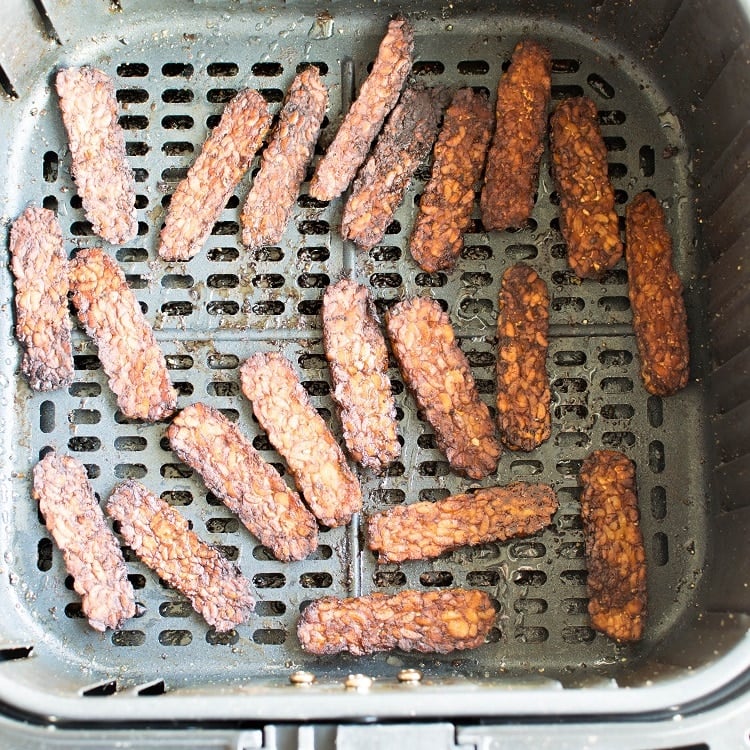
358 682
410 676
301 677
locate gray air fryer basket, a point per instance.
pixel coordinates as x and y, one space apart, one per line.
670 80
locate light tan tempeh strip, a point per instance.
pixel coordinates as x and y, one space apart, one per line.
282 168
223 161
233 470
103 178
300 435
128 351
90 551
40 268
163 540
358 358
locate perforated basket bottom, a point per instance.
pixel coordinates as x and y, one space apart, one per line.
214 311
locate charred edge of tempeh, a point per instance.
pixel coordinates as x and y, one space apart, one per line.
425 529
300 435
90 551
225 157
282 170
131 357
512 174
659 316
588 221
425 621
523 391
437 372
356 352
377 96
448 198
615 555
40 268
381 184
103 178
234 471
163 540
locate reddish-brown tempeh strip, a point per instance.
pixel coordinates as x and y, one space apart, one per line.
377 96
523 393
90 550
300 435
425 529
234 471
655 290
437 372
588 221
358 358
381 184
162 539
615 555
224 159
426 621
103 178
447 201
512 171
40 268
282 169
128 351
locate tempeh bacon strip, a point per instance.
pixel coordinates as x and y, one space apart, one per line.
659 316
234 471
90 551
381 184
437 372
427 529
103 178
282 169
425 621
128 351
520 123
40 268
448 198
523 392
163 540
588 221
358 358
377 97
300 435
223 161
615 555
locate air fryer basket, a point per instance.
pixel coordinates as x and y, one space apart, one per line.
667 79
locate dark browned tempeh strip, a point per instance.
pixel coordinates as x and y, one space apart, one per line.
447 201
358 358
426 621
128 351
381 184
103 178
40 268
163 540
90 550
615 554
377 96
282 168
588 220
234 471
427 529
224 159
655 290
437 372
520 122
300 435
523 393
